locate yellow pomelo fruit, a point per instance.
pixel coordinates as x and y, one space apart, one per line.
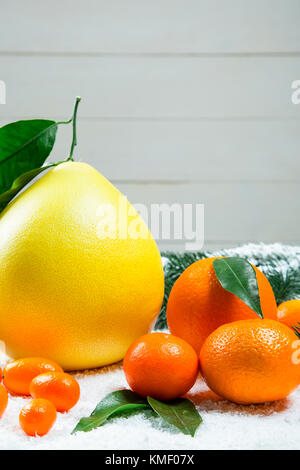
67 291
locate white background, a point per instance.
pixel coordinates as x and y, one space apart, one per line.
183 101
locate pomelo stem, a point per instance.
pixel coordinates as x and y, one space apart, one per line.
74 122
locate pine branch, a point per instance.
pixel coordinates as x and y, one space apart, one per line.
296 329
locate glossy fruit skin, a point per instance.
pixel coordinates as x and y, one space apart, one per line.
17 375
3 399
161 366
198 304
37 417
66 293
289 312
61 389
251 361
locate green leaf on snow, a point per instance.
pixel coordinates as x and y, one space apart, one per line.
122 400
180 413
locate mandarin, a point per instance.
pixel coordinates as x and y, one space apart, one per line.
289 312
251 361
198 304
161 366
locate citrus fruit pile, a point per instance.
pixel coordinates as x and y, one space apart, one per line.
242 357
50 387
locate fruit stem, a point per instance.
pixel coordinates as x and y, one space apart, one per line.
74 122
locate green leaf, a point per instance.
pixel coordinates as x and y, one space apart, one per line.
180 413
237 275
24 146
19 184
122 400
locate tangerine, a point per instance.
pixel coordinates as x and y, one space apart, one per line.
251 361
198 304
160 365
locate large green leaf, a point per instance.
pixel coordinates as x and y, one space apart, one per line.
24 146
237 275
19 184
122 400
180 413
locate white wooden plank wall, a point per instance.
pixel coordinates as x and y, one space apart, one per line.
183 101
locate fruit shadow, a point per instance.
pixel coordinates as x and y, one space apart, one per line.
206 400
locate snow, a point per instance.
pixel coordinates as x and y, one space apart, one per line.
225 425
